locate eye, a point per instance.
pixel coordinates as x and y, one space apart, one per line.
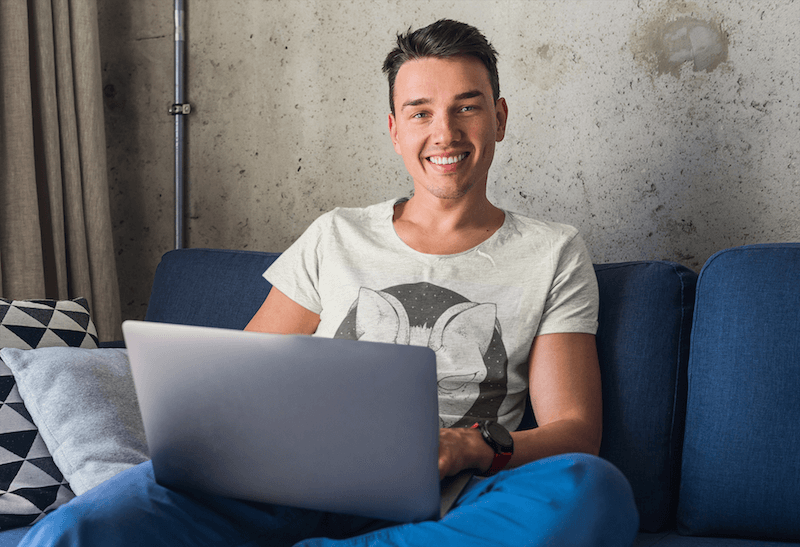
419 115
467 108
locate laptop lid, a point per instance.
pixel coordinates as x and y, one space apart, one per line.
328 424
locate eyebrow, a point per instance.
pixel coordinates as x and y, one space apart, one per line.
460 97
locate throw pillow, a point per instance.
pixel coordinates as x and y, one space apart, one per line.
84 404
30 324
30 482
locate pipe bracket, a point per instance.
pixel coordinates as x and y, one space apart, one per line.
177 109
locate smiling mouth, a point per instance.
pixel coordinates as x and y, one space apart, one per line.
447 160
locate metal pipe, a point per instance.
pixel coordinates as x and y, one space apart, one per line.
179 109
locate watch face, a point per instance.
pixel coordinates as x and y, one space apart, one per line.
500 434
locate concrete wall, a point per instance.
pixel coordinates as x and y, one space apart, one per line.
662 129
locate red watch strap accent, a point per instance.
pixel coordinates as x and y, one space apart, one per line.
499 462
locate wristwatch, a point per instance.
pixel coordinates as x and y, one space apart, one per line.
499 439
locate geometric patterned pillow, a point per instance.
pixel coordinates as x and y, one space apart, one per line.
30 483
31 324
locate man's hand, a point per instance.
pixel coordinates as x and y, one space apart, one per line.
462 448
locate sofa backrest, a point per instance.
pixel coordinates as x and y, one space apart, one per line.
643 345
209 287
741 455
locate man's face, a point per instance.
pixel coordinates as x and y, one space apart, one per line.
446 123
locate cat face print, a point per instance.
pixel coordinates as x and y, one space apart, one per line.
466 336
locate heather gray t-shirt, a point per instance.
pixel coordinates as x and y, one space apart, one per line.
479 310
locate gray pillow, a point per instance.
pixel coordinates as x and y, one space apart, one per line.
84 405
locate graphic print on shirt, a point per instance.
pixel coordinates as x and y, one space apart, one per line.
471 359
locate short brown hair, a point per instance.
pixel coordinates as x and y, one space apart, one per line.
444 38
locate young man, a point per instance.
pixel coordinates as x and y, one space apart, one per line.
509 305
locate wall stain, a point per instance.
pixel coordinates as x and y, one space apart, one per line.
680 36
545 65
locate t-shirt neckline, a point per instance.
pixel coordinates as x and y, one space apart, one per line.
407 248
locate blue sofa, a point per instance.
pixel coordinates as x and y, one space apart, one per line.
701 382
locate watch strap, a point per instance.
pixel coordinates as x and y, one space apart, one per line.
499 462
501 456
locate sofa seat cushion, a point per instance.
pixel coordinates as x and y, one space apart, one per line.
673 539
643 346
740 472
12 538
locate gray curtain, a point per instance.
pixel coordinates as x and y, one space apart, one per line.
55 221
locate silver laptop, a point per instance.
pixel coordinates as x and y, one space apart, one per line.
334 425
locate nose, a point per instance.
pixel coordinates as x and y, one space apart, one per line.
445 130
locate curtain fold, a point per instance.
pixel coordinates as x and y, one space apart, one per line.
55 220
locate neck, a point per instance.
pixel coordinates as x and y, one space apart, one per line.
465 213
446 226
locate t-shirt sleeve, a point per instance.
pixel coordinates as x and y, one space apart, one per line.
296 271
573 301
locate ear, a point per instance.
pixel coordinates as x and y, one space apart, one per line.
380 317
501 112
393 133
465 325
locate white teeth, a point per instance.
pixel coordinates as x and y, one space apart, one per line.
439 160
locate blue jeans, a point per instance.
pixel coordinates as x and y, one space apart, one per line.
571 500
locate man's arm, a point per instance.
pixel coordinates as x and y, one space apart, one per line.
280 314
564 379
